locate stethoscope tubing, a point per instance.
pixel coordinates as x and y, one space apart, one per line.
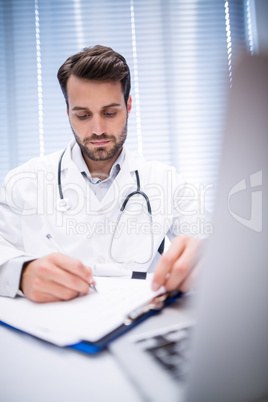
138 191
64 205
59 176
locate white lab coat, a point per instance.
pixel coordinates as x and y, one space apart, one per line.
28 213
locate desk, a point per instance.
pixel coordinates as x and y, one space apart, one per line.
33 370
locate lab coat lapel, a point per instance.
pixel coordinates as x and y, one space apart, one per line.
124 183
72 178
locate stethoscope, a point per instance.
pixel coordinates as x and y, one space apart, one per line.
63 204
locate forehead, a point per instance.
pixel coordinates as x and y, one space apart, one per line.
93 91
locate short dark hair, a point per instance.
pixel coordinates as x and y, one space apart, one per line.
96 63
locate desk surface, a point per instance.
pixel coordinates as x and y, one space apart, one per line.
34 370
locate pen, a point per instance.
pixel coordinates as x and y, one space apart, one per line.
58 248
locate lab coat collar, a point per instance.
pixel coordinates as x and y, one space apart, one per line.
123 180
79 161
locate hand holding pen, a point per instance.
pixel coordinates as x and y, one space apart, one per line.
92 284
55 277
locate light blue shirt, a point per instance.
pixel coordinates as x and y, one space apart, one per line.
98 186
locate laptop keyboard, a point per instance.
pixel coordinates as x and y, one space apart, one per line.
171 350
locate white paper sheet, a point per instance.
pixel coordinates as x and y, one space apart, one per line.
88 317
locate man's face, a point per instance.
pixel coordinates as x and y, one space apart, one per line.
98 117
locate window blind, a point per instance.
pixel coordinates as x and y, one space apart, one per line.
18 84
180 53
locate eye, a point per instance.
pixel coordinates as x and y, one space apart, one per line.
109 114
82 116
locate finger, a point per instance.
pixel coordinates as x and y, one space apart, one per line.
55 280
39 287
47 298
48 275
192 280
72 265
166 262
41 297
52 291
183 267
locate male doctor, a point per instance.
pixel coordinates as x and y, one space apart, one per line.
95 208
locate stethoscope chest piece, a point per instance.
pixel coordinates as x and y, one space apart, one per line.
63 204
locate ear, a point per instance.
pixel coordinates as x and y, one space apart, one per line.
129 104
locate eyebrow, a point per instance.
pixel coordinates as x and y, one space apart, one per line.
104 107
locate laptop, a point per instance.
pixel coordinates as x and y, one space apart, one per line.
217 349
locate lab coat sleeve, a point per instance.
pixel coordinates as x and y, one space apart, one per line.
178 206
190 215
10 274
12 254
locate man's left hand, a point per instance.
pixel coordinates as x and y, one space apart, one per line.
178 268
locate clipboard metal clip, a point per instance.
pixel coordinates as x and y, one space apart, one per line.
156 304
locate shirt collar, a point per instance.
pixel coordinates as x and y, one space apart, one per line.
79 161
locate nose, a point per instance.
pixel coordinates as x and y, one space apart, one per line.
98 126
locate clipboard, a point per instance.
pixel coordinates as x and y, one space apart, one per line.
88 323
134 318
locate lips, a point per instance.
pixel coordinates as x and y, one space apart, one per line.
100 143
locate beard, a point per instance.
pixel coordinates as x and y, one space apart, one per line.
102 153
